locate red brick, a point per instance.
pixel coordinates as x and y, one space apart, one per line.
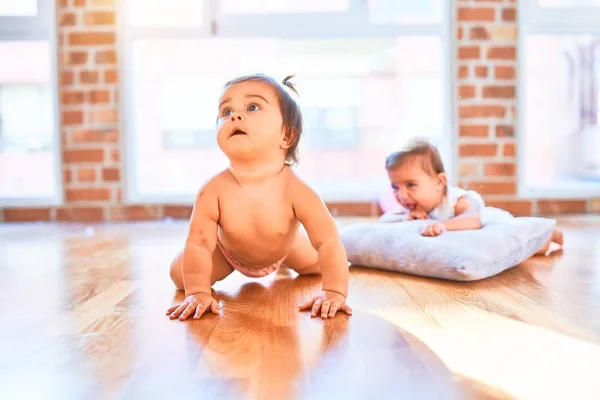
26 214
66 78
67 19
488 188
115 155
505 131
88 194
134 213
99 96
72 118
500 169
509 14
79 3
499 92
86 174
479 33
67 176
88 77
463 71
502 53
481 111
518 208
476 14
111 76
63 3
83 155
510 150
469 52
459 32
365 209
111 174
466 91
481 71
76 57
478 149
504 72
91 38
69 97
177 212
474 130
80 214
108 116
99 18
561 206
106 57
95 136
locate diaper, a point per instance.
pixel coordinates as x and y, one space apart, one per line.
252 272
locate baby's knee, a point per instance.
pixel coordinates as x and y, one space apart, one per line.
177 273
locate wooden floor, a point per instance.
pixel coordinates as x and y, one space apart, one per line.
82 316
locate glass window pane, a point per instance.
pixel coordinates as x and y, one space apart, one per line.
362 98
405 11
279 6
561 131
568 3
27 128
18 8
166 13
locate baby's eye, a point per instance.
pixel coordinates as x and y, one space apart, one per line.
411 185
226 112
394 186
253 107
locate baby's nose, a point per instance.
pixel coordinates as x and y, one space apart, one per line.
235 116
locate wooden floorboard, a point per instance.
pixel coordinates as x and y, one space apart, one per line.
82 316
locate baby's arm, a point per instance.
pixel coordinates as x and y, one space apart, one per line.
197 257
333 263
467 217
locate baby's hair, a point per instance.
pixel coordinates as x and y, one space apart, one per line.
290 110
421 150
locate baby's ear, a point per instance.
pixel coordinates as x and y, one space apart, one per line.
289 137
442 179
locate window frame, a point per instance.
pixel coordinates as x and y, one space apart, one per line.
534 19
352 23
41 27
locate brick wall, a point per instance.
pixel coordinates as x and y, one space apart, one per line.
92 140
487 108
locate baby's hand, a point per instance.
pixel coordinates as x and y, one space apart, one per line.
417 214
434 229
327 303
196 305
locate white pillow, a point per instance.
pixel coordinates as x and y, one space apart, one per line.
455 255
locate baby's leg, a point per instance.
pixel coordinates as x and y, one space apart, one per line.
303 258
557 237
220 268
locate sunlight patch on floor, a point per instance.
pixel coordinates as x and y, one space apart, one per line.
522 360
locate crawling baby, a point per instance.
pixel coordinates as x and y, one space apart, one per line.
248 217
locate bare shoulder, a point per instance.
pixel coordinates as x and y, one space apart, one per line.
207 198
466 204
299 190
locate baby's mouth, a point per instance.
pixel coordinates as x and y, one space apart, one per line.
237 132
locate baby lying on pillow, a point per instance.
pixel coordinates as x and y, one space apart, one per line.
419 182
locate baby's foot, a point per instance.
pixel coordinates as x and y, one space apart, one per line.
557 237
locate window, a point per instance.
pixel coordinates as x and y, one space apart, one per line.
367 85
559 99
29 157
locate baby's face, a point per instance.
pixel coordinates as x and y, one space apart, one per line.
414 188
250 125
